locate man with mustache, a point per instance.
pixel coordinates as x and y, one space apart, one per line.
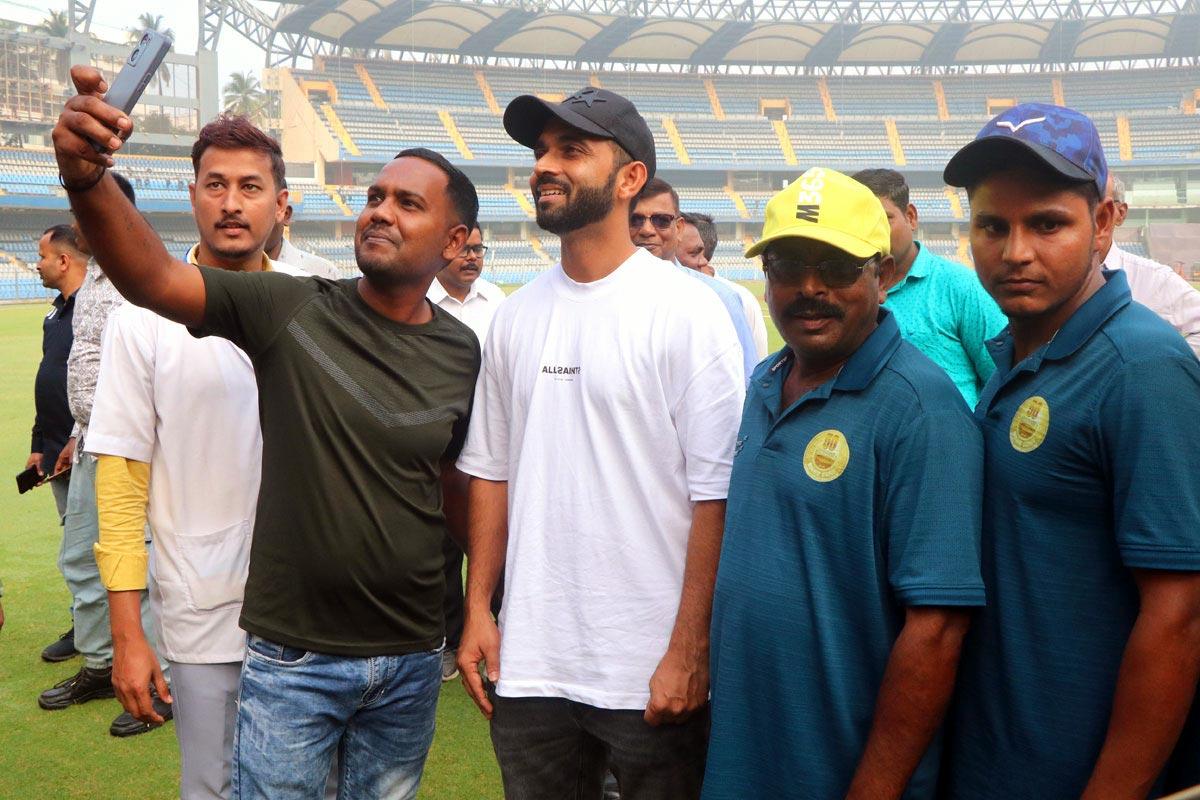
1078 676
461 292
850 562
599 456
365 391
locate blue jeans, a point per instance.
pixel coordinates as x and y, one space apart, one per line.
77 563
296 708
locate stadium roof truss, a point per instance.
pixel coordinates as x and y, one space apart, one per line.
814 35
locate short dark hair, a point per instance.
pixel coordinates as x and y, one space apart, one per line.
656 186
1088 190
125 187
236 132
64 235
885 183
706 228
621 156
462 192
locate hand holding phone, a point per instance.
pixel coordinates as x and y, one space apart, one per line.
143 61
28 479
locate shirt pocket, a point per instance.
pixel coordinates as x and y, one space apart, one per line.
213 566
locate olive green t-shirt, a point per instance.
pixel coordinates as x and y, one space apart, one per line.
358 412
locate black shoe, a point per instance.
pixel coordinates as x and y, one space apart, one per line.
87 684
61 650
126 725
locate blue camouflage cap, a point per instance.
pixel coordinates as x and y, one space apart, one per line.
1063 139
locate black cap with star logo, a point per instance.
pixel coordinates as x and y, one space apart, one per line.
596 112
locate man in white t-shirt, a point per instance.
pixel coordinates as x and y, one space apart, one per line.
694 252
472 300
176 430
1153 284
600 448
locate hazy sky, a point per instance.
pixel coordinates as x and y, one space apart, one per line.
112 17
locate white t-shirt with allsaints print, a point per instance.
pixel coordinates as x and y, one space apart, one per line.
610 408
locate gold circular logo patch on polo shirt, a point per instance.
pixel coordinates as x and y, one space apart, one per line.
826 456
1030 425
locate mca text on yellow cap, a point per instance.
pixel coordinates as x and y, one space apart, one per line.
827 206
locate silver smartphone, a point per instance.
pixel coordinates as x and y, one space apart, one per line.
144 60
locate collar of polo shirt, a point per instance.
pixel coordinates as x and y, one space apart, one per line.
267 264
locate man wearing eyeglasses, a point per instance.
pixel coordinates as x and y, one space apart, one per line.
851 551
472 300
655 225
460 290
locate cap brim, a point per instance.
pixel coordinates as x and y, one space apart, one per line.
859 248
984 156
527 115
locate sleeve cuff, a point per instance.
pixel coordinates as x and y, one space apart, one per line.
1180 559
98 444
121 572
968 596
488 472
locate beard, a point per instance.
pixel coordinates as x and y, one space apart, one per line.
590 204
233 253
379 269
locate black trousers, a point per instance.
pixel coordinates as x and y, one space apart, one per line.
549 748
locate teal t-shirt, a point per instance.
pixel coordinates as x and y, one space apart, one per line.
1090 446
942 308
860 499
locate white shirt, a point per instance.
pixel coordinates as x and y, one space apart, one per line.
309 263
476 311
610 408
189 408
754 315
1162 290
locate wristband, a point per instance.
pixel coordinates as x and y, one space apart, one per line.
79 188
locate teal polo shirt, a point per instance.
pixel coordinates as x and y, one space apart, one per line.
858 500
1091 445
942 308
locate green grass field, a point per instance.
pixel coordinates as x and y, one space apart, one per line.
69 754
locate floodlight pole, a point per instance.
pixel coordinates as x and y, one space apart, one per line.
79 15
280 48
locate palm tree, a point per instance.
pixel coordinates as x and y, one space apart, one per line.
57 24
245 96
148 22
152 22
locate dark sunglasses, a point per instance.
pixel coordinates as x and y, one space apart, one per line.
660 221
834 273
475 250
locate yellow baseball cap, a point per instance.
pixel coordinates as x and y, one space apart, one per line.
830 207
